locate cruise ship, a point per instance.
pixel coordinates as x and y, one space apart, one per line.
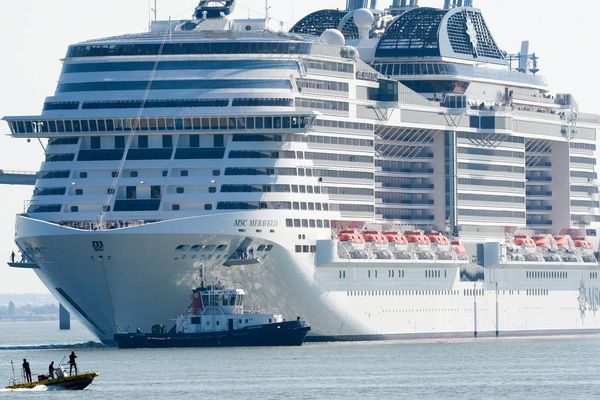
382 172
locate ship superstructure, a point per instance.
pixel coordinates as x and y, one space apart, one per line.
364 167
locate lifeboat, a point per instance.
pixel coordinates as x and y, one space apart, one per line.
420 243
582 243
564 242
351 240
545 241
398 244
375 237
378 244
526 245
459 249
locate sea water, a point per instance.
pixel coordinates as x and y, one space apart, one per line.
531 368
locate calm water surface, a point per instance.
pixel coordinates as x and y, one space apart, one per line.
533 368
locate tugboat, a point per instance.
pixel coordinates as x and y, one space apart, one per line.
62 381
217 318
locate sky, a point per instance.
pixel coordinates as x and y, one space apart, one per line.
34 35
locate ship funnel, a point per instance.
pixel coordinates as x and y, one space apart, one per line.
356 4
524 56
446 4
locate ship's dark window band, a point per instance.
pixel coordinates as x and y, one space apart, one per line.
343 125
405 215
100 155
179 65
254 205
322 104
257 138
54 174
174 85
497 139
44 208
137 205
436 86
491 198
584 174
585 203
120 104
49 191
59 157
62 141
348 191
490 167
256 102
323 85
490 213
329 66
491 183
343 174
255 188
584 189
583 160
582 146
352 208
199 154
411 69
340 140
212 48
264 171
547 274
338 157
490 152
61 105
154 124
261 154
150 154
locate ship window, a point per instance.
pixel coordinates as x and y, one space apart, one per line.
289 223
167 141
78 192
296 223
175 207
212 190
184 172
319 223
133 174
95 142
298 248
182 247
180 190
216 172
269 247
195 321
83 175
74 209
305 223
208 207
296 205
143 142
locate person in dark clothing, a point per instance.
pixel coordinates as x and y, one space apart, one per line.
27 370
72 363
12 257
51 370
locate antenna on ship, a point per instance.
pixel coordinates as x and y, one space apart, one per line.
155 10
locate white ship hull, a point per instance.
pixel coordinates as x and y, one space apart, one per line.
131 278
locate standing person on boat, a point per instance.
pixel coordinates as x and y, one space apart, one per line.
72 363
27 370
51 370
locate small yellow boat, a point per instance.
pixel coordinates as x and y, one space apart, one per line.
63 382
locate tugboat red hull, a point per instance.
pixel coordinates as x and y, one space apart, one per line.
287 333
